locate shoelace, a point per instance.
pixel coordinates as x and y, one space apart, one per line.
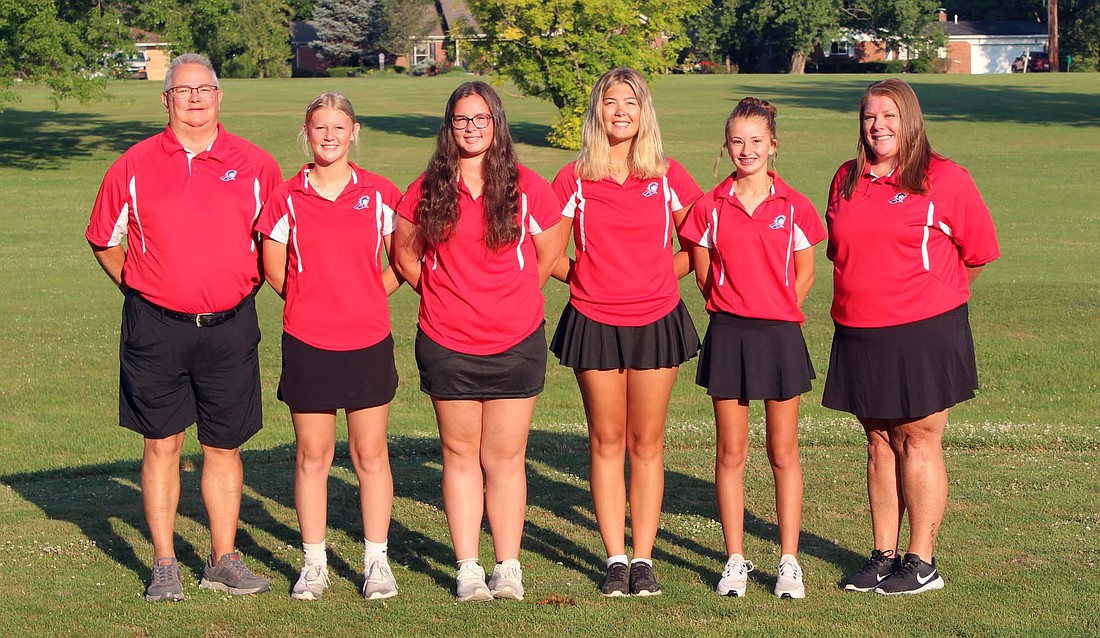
743 567
877 560
165 573
316 574
790 569
908 566
617 571
471 571
511 571
379 572
239 568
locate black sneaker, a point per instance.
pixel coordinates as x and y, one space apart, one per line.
230 574
642 581
913 577
617 581
878 568
165 584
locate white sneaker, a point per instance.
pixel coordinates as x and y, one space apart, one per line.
507 580
378 580
789 584
312 582
471 583
735 577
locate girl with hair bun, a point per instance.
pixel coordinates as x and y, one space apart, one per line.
754 263
325 230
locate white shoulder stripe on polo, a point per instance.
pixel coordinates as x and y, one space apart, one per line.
383 223
134 209
522 228
259 207
924 242
800 241
280 232
119 229
669 196
790 247
579 199
712 242
946 229
294 235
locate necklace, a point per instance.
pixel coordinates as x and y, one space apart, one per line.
330 191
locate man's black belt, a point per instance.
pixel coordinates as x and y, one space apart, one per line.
202 319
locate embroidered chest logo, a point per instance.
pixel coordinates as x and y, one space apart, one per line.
778 223
229 176
363 202
650 190
899 198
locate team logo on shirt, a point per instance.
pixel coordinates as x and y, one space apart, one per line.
778 223
363 202
229 176
650 190
899 198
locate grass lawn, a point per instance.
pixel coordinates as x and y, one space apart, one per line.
1018 548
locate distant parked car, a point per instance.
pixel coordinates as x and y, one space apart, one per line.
1032 62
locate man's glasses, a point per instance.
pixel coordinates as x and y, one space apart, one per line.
183 92
481 120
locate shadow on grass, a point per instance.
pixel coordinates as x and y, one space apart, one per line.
427 126
946 101
104 502
37 140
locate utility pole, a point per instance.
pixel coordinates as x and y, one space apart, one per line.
1052 35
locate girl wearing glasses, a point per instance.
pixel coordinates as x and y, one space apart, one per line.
625 331
754 262
476 239
325 230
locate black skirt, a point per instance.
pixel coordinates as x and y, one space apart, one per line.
745 358
316 380
902 372
581 343
517 373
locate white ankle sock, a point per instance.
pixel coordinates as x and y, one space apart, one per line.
315 553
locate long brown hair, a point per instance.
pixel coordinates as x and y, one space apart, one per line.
437 211
915 152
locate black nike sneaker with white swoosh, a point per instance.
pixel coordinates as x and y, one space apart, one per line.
877 569
913 577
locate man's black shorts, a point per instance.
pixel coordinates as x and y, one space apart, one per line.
174 373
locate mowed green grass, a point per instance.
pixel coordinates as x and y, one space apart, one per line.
1018 548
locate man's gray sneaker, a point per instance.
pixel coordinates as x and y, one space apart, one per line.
378 581
230 574
165 584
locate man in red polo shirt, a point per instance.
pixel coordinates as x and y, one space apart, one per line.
185 200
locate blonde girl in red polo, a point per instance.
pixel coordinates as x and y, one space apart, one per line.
754 263
325 230
625 331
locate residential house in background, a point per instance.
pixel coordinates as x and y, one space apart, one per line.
990 46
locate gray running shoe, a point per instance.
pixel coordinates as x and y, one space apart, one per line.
230 574
165 584
312 582
617 581
507 580
735 576
471 583
379 582
642 580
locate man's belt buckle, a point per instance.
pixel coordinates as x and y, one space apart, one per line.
205 320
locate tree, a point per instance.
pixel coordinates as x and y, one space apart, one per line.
405 21
758 34
260 35
1079 24
901 24
67 48
557 49
347 30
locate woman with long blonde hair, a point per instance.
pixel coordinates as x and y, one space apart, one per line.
625 331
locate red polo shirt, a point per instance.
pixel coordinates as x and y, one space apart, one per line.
474 300
901 257
752 256
335 298
623 243
188 221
